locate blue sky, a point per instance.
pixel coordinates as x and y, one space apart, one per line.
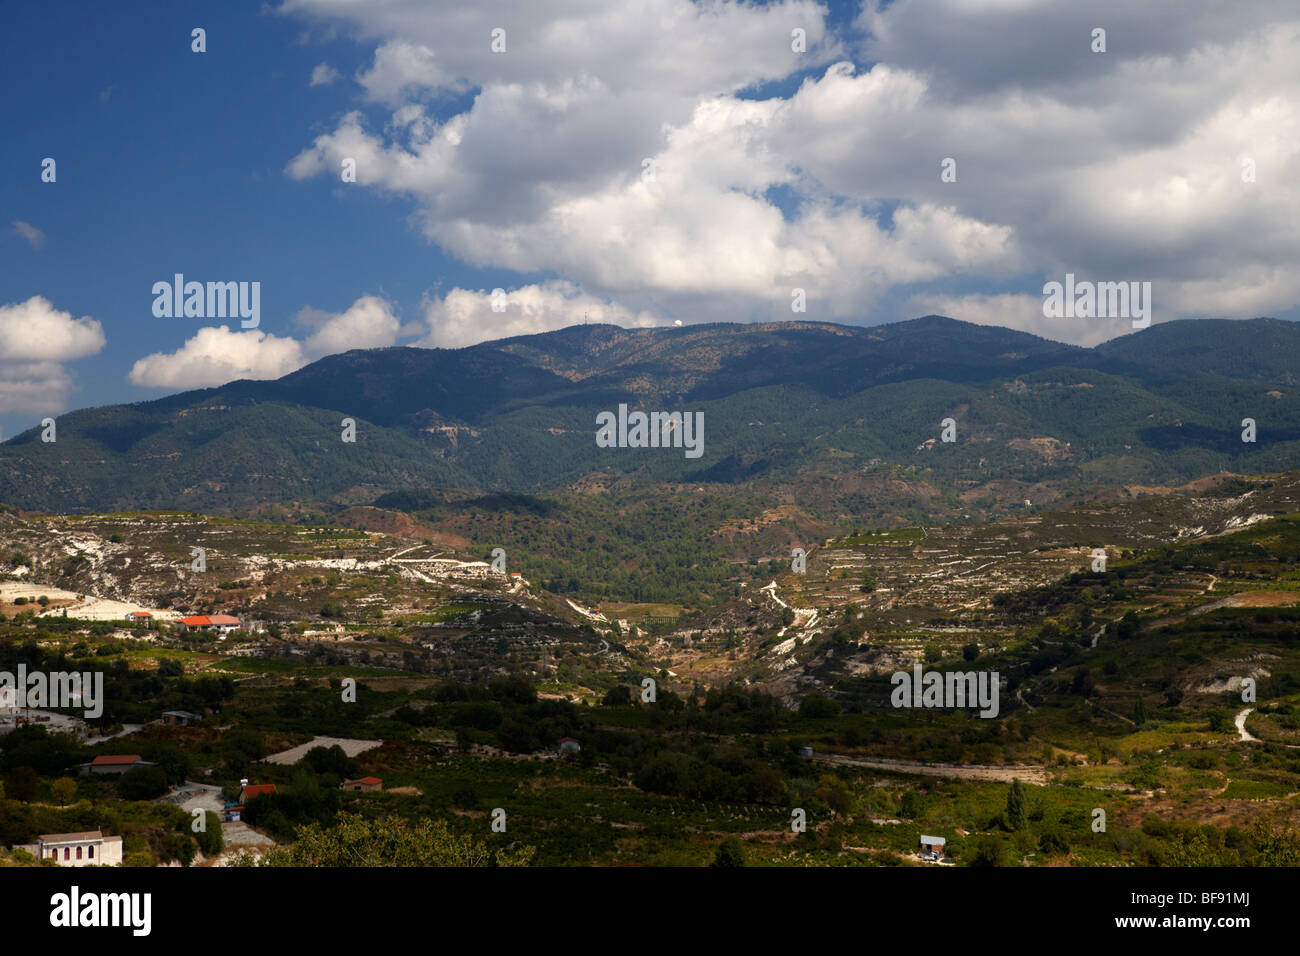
171 161
520 170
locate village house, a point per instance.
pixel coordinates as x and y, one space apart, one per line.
366 784
115 763
179 718
569 745
221 622
247 791
90 848
234 812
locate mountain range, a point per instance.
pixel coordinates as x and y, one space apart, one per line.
790 403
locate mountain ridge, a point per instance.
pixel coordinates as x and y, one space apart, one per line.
783 399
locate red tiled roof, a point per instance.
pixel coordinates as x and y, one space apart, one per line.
197 621
222 619
257 790
367 780
113 760
141 614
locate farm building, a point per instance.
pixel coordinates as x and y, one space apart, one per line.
932 847
366 784
115 763
180 718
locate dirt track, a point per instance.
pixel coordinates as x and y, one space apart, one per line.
350 747
1001 774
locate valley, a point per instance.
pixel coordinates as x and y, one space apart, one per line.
1121 687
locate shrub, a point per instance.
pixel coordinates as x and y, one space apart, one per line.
731 852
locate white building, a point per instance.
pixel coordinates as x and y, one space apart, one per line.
90 848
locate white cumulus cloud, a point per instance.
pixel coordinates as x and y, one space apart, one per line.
466 317
1118 166
368 323
35 339
217 355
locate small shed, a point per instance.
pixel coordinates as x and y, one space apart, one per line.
365 784
568 745
932 847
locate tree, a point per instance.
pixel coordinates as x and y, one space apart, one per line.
1016 805
818 705
139 858
1053 841
143 783
1221 722
1140 715
23 784
990 851
330 760
835 793
618 696
65 788
970 652
731 852
178 847
211 840
170 667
